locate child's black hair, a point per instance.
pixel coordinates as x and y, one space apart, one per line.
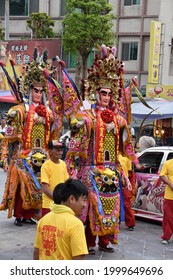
70 187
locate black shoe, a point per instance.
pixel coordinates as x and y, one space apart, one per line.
91 251
18 222
28 221
106 249
130 228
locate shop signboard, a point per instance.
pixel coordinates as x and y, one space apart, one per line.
21 52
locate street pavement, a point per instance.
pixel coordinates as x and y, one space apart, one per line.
144 243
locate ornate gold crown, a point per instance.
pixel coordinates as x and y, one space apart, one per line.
33 73
106 71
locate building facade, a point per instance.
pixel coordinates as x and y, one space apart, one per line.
131 26
133 37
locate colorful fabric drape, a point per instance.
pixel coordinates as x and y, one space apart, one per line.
71 100
56 105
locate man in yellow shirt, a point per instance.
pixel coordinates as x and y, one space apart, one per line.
60 234
166 175
126 165
53 172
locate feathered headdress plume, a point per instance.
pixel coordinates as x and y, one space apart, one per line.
71 95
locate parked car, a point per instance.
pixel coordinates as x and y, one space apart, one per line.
149 188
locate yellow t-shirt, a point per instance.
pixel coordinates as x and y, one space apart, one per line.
167 170
52 174
1 136
60 235
126 164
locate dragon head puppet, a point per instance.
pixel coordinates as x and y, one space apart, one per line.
107 180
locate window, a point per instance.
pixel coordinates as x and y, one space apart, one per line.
33 6
129 51
23 7
19 7
131 2
152 162
171 59
2 8
70 59
170 156
63 7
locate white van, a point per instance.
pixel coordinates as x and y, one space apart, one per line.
149 188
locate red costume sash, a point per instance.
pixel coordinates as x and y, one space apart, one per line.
100 134
27 136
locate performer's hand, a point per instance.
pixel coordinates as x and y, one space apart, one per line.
139 166
6 168
129 186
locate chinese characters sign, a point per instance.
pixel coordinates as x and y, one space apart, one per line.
154 52
21 52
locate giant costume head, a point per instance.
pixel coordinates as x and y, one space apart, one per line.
106 72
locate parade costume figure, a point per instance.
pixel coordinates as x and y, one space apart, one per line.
97 136
3 128
29 129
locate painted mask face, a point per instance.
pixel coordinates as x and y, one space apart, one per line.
105 96
37 93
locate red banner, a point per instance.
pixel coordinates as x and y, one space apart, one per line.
21 52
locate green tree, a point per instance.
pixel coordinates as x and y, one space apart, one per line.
87 24
41 25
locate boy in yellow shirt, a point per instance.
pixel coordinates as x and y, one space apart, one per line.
60 234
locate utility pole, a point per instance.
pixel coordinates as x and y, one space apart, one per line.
7 9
